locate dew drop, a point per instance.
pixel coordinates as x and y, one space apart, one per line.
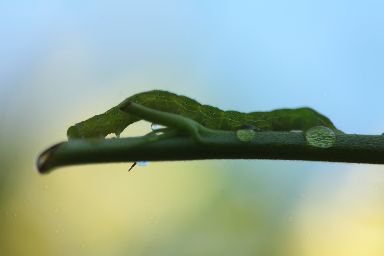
245 135
142 163
155 127
321 137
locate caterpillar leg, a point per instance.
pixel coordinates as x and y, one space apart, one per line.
178 122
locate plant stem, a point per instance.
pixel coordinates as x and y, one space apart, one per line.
349 148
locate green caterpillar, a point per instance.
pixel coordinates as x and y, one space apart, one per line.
115 120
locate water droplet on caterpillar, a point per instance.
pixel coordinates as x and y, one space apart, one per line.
320 137
245 135
155 127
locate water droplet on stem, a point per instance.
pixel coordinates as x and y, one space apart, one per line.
320 137
142 163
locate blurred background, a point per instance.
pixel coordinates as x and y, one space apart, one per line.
64 61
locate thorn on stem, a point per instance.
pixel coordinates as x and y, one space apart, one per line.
133 165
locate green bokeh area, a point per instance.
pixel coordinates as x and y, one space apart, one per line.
62 62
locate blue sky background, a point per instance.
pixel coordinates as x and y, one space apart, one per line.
245 55
64 61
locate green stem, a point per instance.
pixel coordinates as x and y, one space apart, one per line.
218 145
